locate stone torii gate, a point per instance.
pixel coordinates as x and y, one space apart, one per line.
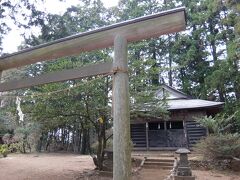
118 35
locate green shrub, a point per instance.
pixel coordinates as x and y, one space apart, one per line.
15 147
4 150
220 146
221 123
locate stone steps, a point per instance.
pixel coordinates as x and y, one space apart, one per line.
159 160
157 167
158 163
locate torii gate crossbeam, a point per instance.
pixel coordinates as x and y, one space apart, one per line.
118 35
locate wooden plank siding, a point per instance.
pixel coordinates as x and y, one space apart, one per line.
133 30
195 132
68 74
139 136
169 139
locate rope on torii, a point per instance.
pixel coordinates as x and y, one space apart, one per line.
20 113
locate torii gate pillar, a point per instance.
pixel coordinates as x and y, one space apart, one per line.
121 113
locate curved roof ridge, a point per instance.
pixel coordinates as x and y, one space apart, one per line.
192 104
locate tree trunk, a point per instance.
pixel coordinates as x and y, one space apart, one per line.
40 144
155 77
80 140
0 92
170 80
84 142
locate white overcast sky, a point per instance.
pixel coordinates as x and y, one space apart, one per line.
13 39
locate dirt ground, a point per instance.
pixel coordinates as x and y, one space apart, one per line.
44 166
151 174
59 166
216 175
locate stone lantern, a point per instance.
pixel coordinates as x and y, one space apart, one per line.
184 171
